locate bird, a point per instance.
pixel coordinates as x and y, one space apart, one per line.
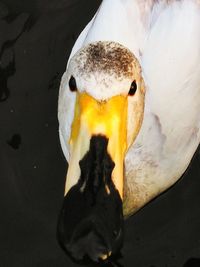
129 117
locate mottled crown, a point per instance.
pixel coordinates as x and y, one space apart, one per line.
106 66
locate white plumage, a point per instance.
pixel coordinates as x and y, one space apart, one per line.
165 38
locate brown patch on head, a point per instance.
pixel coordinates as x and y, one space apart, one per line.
107 57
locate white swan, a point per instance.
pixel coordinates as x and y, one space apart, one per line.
129 47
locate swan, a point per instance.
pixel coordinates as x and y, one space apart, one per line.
129 116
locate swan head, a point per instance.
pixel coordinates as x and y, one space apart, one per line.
105 93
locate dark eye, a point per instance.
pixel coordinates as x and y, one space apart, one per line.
133 88
72 84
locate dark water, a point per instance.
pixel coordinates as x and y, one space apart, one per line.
7 53
55 82
15 141
5 73
193 262
35 41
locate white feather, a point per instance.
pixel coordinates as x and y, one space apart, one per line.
122 21
170 132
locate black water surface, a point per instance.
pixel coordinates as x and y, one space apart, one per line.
10 68
15 141
193 262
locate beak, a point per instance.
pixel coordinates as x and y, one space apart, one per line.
106 118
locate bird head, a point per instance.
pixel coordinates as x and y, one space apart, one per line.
104 93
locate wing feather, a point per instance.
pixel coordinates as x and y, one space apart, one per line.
170 132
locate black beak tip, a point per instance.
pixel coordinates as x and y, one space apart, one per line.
91 220
87 241
86 244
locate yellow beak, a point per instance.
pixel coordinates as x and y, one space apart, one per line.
107 118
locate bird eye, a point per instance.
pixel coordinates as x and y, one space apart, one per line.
133 88
72 84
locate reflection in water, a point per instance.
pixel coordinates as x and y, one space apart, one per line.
9 69
55 82
15 141
193 262
5 73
